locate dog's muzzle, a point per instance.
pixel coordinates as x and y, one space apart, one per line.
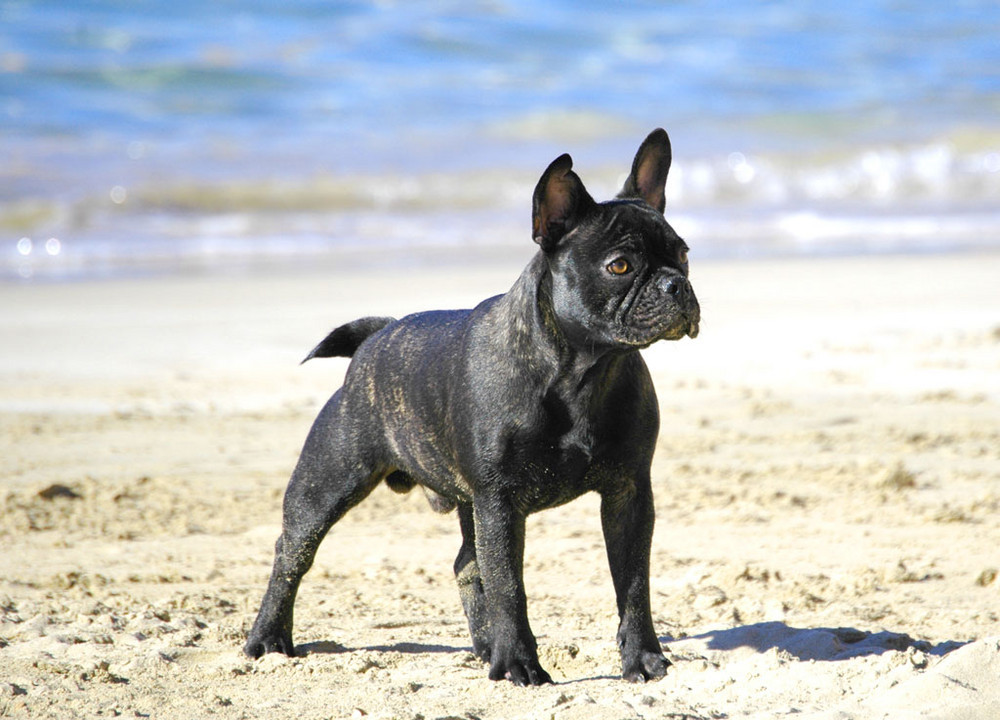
664 309
678 288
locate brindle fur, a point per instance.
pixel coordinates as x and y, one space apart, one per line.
523 403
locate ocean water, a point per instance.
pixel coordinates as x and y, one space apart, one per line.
154 136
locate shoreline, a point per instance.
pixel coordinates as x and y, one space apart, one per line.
827 460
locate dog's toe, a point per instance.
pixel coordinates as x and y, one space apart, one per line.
257 648
648 666
520 672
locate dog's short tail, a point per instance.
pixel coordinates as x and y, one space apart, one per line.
346 339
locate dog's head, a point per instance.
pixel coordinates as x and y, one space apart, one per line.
619 271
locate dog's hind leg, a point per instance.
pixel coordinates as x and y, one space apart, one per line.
470 585
331 477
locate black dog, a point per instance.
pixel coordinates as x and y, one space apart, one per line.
523 403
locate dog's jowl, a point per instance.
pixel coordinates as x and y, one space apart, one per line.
522 403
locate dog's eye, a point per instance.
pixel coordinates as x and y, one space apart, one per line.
683 256
618 266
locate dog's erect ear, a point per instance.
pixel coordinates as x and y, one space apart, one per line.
559 202
649 170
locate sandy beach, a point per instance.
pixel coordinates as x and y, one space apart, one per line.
827 486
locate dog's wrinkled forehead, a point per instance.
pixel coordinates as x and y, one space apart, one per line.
633 223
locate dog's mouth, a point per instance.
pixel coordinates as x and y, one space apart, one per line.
674 325
689 328
694 326
642 338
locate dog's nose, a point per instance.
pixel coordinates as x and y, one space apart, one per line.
674 285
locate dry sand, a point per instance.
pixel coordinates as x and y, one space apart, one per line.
827 485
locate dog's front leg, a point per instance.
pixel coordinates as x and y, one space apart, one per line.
500 554
627 519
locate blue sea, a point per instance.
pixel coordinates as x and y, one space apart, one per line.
157 137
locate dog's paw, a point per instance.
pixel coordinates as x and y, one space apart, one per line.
258 647
648 665
519 668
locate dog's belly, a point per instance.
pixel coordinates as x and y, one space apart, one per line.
422 459
538 473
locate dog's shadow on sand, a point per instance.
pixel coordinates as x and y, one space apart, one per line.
817 644
822 644
329 647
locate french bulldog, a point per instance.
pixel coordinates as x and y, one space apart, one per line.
522 403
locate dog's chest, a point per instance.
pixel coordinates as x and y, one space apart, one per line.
549 457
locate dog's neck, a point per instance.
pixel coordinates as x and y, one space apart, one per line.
529 304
